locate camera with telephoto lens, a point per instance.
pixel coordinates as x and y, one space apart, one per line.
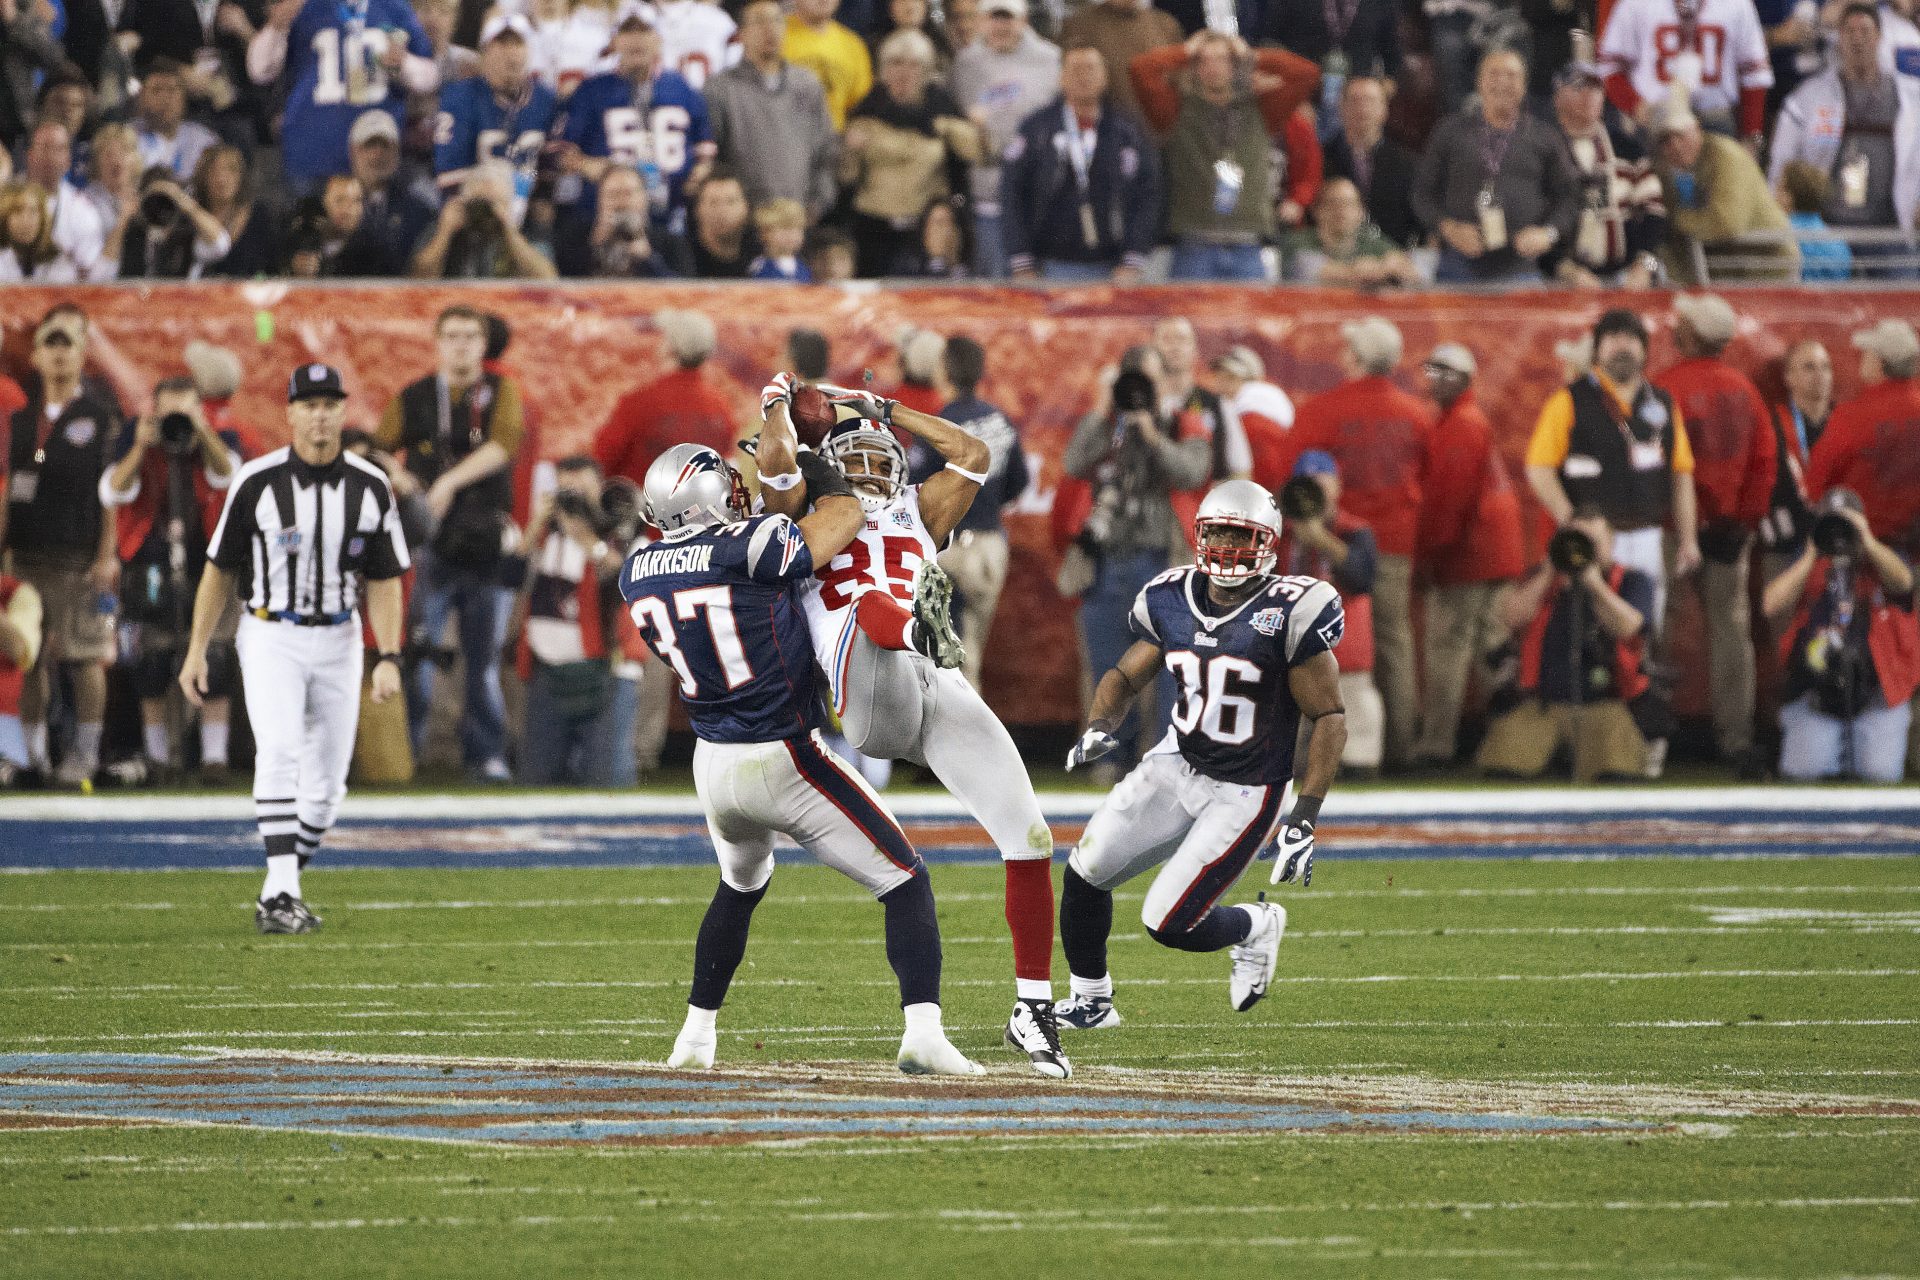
1571 551
620 504
157 209
177 434
1302 499
580 506
1134 392
1835 536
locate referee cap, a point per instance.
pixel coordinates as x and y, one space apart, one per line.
315 382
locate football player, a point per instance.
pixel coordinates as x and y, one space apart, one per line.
715 599
1252 654
881 632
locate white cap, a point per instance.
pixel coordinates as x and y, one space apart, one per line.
1242 362
372 125
501 23
1451 355
1709 316
1375 342
1018 8
1892 340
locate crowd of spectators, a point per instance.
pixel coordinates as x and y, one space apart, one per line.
1585 142
1661 485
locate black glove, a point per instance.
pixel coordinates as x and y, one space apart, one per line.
823 478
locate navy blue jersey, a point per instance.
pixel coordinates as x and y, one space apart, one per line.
718 605
334 67
1236 719
474 126
664 125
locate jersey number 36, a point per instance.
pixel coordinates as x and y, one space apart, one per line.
1208 704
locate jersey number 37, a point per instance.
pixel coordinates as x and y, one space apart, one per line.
656 624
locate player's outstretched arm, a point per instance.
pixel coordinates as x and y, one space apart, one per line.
1316 691
782 491
1115 693
835 521
948 493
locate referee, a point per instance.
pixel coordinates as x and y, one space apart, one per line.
302 526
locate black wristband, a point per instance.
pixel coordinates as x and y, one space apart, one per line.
1306 810
379 658
823 478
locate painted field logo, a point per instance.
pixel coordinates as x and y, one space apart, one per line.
569 1104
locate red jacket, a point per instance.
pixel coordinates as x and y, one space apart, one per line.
1470 524
1354 653
13 679
1629 678
1731 436
136 518
1872 446
1893 632
679 408
1383 440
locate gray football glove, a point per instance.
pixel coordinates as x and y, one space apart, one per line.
1093 744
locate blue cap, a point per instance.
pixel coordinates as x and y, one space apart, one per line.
1316 462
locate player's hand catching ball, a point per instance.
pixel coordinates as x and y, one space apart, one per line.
386 680
1093 744
778 391
1296 852
865 403
193 676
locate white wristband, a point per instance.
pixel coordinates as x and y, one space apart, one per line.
781 483
978 477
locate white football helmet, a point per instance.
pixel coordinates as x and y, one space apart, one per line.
883 463
1246 511
691 486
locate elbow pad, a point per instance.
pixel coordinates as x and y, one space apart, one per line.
823 478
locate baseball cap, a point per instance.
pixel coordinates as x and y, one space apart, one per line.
1242 362
1316 462
1453 356
1892 340
315 382
1578 73
1709 316
215 370
62 327
1375 341
502 23
372 126
1673 115
1018 8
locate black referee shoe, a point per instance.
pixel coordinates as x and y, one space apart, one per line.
284 913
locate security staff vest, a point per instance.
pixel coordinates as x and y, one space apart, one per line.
1624 466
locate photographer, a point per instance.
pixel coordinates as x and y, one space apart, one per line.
1134 458
1579 623
168 482
1852 653
1320 540
165 234
569 606
620 243
460 429
478 238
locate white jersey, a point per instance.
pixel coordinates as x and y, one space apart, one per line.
696 38
884 557
1646 41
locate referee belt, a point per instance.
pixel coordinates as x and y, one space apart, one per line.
303 619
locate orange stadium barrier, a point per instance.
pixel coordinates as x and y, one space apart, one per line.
577 347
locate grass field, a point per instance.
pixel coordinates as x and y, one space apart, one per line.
1662 1067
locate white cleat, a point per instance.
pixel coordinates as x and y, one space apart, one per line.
930 1053
1254 959
692 1051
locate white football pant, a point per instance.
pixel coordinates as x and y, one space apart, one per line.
303 699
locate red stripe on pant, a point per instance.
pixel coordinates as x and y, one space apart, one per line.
824 775
1243 847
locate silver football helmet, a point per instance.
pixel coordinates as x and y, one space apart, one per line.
691 486
881 474
1237 532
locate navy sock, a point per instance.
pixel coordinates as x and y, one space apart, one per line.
913 939
722 942
1086 921
1219 929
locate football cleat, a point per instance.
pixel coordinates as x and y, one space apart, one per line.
1086 1013
284 913
1034 1030
1254 959
692 1049
930 1053
933 633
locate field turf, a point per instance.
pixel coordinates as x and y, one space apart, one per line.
1653 1067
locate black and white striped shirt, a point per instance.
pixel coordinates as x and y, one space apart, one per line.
299 537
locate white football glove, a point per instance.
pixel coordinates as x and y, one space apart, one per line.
1294 864
865 403
779 391
1093 744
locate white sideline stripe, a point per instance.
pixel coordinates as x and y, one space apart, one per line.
1055 804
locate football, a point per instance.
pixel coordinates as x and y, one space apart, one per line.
813 416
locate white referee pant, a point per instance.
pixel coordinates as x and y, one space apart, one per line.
1206 831
303 699
799 789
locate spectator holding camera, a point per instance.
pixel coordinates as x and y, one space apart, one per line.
570 604
621 245
1580 625
1872 442
61 540
167 235
1852 654
168 484
460 428
478 237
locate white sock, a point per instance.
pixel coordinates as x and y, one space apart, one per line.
159 745
283 876
37 745
923 1017
699 1019
86 744
213 742
1033 989
1100 988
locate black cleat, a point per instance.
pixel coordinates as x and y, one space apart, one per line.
1034 1029
284 913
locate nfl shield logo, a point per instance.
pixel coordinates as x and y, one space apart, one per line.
356 544
80 432
1268 621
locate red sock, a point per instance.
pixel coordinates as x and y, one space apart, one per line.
886 621
1030 917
